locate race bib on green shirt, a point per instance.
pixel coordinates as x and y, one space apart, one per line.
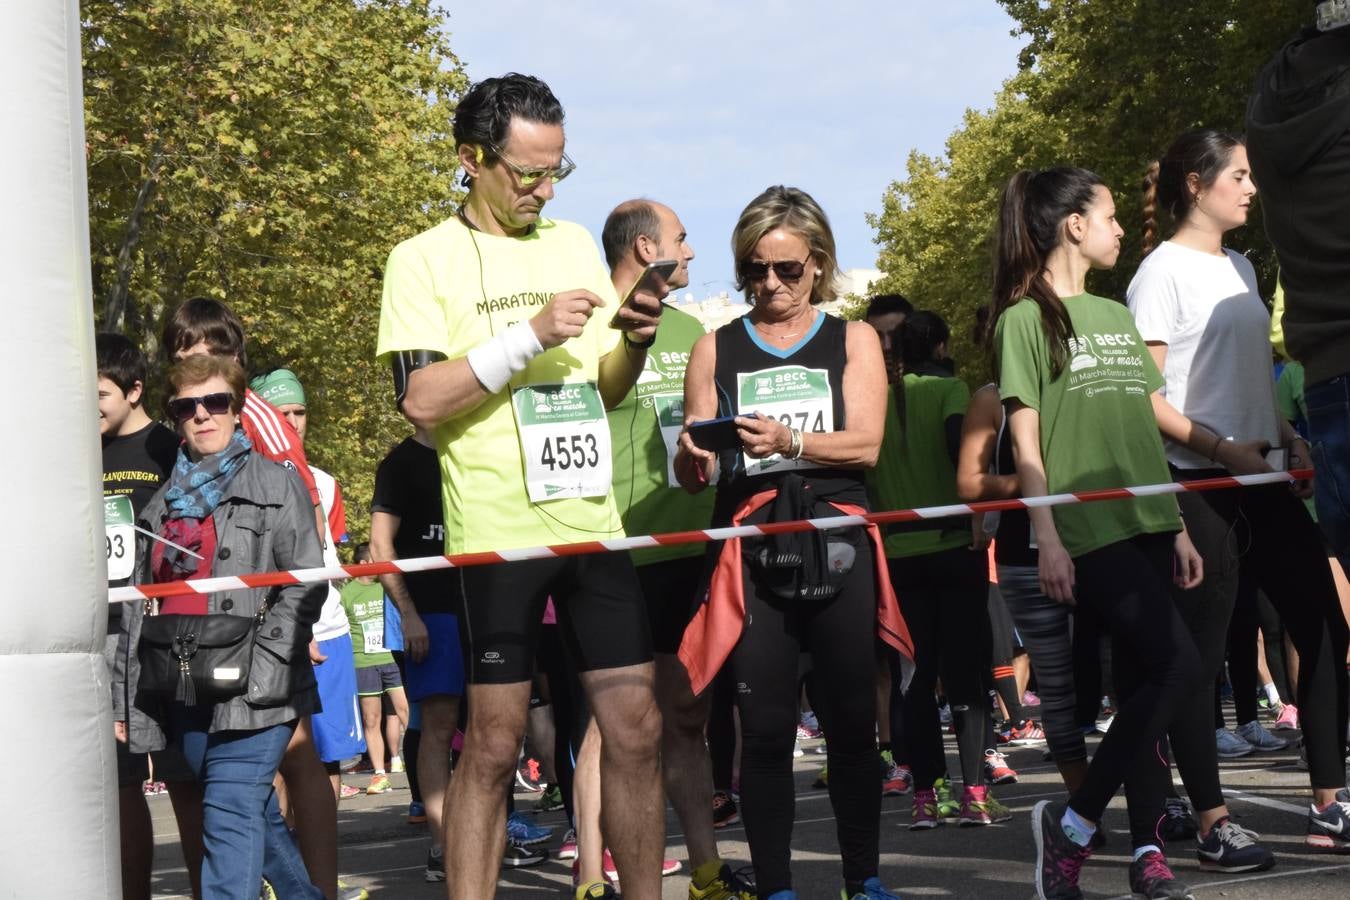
372 630
670 419
794 395
564 439
119 537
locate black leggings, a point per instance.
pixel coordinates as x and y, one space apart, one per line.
838 634
1127 584
944 598
1262 536
1242 657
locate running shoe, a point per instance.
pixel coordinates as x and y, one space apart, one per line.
379 784
978 807
945 714
797 751
1026 733
808 728
348 791
1151 878
351 892
725 811
568 848
822 779
1178 823
1030 699
947 808
1329 829
1104 725
520 830
1229 745
997 770
527 775
717 880
396 766
435 865
1058 859
1288 718
361 766
896 779
1003 732
596 890
152 788
924 813
872 890
518 857
417 813
1228 848
1255 734
549 800
668 867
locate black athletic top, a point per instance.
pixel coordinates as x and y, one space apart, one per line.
741 356
1012 545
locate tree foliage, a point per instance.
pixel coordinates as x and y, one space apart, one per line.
270 154
1104 84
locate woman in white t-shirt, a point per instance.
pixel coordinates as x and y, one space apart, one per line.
1198 308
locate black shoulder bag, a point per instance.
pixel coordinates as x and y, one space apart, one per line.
198 659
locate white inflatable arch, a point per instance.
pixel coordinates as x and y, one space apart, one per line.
59 832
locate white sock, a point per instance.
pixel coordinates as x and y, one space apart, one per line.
1272 695
380 772
1140 851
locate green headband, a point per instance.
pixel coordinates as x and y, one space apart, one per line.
279 387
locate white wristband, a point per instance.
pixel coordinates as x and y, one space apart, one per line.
499 357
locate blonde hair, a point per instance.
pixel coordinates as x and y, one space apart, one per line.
794 210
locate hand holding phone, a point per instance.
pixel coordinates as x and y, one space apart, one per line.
715 434
652 282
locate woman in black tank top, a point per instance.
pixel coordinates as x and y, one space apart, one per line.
807 392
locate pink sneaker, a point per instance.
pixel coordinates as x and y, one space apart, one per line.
568 849
1288 720
668 867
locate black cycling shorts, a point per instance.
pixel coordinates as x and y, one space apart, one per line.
671 588
602 619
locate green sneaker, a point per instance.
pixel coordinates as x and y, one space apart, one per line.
948 809
549 800
822 780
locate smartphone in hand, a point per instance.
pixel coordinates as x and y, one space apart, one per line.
652 280
715 434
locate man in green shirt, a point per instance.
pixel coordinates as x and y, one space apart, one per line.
644 428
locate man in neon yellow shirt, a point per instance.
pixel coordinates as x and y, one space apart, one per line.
507 342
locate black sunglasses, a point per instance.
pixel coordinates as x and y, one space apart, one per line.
787 270
181 409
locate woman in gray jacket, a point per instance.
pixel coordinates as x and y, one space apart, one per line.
227 511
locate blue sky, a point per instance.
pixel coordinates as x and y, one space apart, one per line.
704 104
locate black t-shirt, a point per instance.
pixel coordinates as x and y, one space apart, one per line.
408 485
137 464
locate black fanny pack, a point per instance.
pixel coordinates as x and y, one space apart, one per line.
197 659
803 565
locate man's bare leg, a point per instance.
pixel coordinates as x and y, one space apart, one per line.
314 804
623 702
440 714
586 793
686 766
477 793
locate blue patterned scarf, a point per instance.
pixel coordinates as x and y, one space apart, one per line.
194 491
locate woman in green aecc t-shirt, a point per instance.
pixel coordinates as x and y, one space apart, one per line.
1078 383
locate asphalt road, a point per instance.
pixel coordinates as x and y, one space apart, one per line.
1266 792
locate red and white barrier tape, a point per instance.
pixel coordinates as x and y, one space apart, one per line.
427 563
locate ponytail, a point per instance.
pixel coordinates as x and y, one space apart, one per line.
1033 207
1151 207
1204 153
